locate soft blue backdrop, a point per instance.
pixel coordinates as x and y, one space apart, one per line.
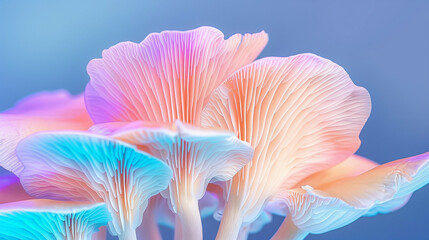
384 46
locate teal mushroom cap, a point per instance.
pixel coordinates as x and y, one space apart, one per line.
41 219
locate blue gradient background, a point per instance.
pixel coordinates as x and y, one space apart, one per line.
384 46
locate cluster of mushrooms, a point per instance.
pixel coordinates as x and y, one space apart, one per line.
187 125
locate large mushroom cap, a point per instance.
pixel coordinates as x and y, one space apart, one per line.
335 204
168 76
78 165
41 219
56 110
302 114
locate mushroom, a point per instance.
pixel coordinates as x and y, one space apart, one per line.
41 219
168 76
331 205
196 157
302 114
79 166
56 110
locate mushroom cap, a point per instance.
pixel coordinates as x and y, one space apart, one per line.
352 166
302 114
41 219
81 166
168 76
335 204
196 156
56 110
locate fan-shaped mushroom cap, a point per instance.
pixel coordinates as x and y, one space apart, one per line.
352 166
302 114
41 219
11 189
82 166
56 110
336 204
168 76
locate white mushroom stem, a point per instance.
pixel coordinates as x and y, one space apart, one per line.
244 233
188 220
129 233
288 231
231 223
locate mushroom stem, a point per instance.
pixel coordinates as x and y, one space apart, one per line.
188 220
288 231
230 224
244 233
128 234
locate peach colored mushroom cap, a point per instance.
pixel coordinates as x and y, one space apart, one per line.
302 114
168 76
334 204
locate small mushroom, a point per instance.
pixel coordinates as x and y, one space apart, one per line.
56 110
302 114
196 157
41 219
331 205
81 166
